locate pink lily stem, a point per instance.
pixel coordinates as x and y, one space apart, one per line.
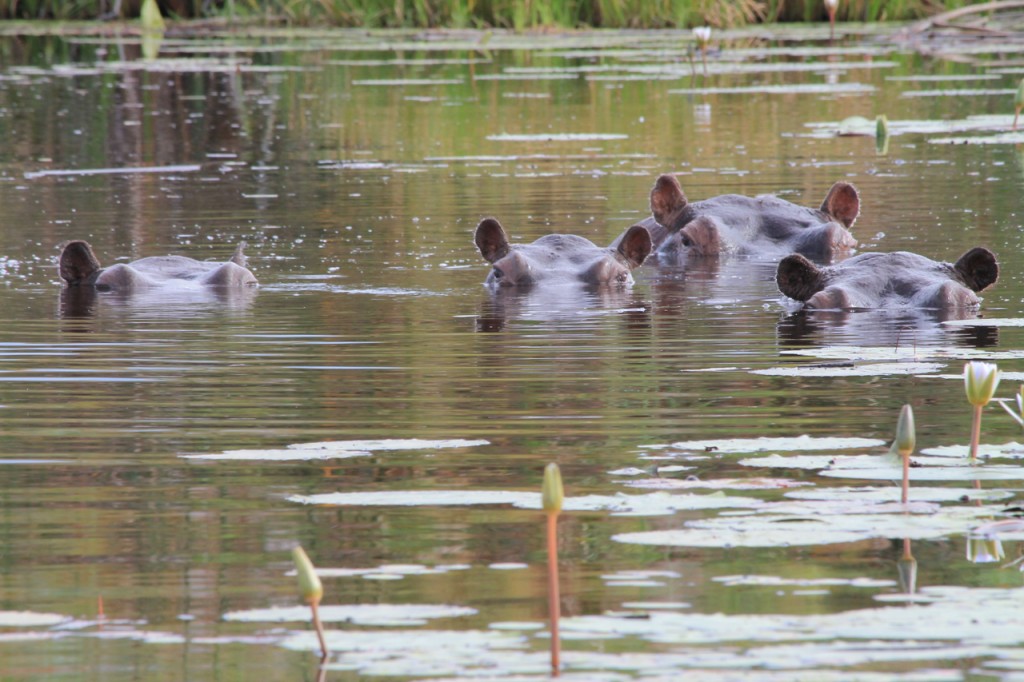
906 480
975 433
553 597
319 627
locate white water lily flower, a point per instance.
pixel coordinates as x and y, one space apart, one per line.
702 34
831 6
980 380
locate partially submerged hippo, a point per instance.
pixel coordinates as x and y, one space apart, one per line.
80 268
880 280
760 225
560 258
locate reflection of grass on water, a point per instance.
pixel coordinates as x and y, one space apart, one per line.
517 14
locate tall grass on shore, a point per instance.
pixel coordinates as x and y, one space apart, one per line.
518 14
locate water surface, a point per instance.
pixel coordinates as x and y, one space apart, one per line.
356 167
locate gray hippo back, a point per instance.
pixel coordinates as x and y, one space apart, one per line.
79 267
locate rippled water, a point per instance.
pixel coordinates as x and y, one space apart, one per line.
356 168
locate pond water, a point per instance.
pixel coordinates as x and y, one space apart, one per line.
373 402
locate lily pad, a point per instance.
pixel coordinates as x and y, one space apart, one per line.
558 137
1004 138
869 370
893 493
910 126
816 527
397 571
654 504
791 89
717 483
339 449
779 581
764 444
943 473
30 619
1011 450
358 614
408 81
960 92
987 322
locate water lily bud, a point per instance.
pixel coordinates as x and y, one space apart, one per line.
150 15
981 380
702 34
982 550
905 435
831 6
310 587
906 571
881 127
551 493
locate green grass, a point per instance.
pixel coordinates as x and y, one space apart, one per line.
518 14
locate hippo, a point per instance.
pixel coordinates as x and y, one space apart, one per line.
759 226
80 268
560 258
888 280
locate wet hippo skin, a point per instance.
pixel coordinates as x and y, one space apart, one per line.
762 225
79 267
880 280
560 258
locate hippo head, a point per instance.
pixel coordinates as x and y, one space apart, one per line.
560 258
873 280
78 263
79 267
734 222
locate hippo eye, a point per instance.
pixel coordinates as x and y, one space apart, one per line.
498 274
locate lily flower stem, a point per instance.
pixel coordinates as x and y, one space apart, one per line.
1016 114
554 609
319 627
975 433
906 480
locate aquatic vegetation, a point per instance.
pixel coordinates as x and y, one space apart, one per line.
312 591
552 496
831 6
1018 102
980 382
457 14
904 445
1018 415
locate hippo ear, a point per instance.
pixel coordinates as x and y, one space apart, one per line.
667 199
842 203
239 256
77 261
635 246
491 240
978 268
798 277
